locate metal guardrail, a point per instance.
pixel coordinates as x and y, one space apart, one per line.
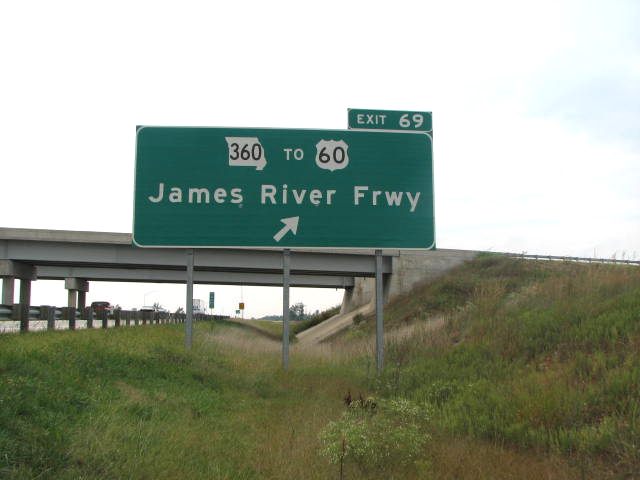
5 312
51 314
10 312
559 258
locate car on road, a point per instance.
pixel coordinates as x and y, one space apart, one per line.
102 307
153 308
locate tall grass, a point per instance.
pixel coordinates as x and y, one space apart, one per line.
543 356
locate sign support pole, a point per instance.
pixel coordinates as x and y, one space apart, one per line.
379 314
286 262
188 339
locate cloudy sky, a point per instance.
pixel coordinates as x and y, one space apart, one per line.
536 109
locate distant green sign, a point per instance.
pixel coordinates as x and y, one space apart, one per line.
212 299
248 187
390 120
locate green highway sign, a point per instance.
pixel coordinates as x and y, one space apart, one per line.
212 299
249 187
390 120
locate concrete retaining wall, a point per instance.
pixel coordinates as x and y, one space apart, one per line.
410 269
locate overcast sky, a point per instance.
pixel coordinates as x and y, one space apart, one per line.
536 111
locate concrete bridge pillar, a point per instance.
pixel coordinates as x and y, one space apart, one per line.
72 298
82 299
25 302
78 289
76 297
8 288
9 271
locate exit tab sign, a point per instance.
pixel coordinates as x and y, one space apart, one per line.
390 120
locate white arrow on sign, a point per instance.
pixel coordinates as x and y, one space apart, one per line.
290 223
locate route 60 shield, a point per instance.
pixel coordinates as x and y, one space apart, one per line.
332 154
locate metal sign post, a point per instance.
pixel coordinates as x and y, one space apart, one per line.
286 262
379 314
188 340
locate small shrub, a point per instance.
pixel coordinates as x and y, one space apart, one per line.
377 435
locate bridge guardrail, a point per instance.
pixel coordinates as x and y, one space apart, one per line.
52 314
561 258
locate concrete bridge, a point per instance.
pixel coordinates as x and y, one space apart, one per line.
80 257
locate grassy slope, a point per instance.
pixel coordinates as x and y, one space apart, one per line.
535 374
534 356
130 403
